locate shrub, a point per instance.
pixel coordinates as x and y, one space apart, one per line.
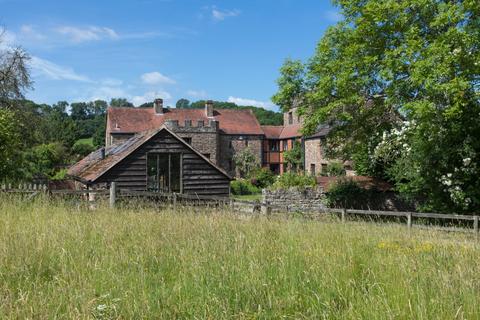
262 178
292 179
82 149
334 169
243 187
245 162
344 193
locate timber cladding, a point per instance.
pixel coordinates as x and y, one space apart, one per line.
198 176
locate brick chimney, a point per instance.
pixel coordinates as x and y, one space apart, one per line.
158 106
209 108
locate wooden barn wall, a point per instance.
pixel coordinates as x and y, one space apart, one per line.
198 176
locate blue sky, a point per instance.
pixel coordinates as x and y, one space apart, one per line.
221 50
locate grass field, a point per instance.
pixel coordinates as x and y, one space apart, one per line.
59 261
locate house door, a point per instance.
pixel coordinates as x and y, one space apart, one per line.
164 172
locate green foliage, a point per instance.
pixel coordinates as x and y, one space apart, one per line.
262 178
182 104
60 175
295 157
82 149
243 187
10 143
389 65
245 162
265 117
293 179
121 102
345 193
334 169
45 159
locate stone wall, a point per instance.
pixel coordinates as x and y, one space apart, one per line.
291 200
204 136
314 155
233 144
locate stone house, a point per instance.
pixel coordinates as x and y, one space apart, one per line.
219 134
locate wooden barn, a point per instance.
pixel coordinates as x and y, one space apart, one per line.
156 160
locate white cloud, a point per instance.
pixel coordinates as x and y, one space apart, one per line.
29 32
150 96
92 33
7 39
197 93
154 78
251 102
333 15
111 82
220 15
54 71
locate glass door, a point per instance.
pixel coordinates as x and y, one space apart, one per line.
164 172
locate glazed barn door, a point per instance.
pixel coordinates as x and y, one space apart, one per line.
164 172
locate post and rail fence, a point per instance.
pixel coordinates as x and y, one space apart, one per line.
176 199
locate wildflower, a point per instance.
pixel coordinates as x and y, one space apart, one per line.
467 161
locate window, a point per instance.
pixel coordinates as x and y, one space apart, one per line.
324 167
290 118
206 155
312 169
273 145
298 118
285 145
163 172
188 140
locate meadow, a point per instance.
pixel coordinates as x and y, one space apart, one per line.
62 261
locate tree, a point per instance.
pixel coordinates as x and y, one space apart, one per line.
182 104
245 162
10 143
14 75
121 102
403 70
294 157
291 84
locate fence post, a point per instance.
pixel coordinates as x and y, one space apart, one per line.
344 213
113 194
475 226
266 209
409 221
174 201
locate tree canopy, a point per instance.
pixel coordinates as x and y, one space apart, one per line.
400 81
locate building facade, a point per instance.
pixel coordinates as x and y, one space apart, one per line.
220 134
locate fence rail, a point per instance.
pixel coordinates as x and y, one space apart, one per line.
237 205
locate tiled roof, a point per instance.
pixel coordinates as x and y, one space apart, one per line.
131 120
291 131
93 166
272 132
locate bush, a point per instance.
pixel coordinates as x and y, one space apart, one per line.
243 187
262 178
343 193
82 149
291 179
334 169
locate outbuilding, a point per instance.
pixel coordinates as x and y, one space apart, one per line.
155 160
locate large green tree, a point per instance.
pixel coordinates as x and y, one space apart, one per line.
396 71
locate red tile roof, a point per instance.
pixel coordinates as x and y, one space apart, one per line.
131 120
291 131
272 132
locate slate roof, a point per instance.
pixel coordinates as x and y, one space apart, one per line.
132 120
93 166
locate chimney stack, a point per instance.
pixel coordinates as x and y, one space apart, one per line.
158 105
209 108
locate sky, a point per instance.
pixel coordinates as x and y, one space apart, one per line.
171 49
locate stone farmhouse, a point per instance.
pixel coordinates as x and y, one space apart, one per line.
219 134
191 150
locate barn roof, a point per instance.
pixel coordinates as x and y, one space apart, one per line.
92 167
131 120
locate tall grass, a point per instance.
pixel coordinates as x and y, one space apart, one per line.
59 261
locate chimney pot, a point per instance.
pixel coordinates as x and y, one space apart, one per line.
158 106
209 108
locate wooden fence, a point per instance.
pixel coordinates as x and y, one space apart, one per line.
176 199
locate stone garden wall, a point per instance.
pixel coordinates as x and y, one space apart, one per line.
292 200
